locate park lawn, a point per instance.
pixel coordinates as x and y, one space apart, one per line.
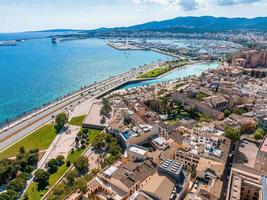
33 192
155 72
77 121
162 69
41 139
93 133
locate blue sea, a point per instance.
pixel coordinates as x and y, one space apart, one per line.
36 71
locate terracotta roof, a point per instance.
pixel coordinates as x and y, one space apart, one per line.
132 172
159 186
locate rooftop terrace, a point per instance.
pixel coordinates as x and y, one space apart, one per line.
246 153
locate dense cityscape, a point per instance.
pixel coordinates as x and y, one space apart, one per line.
190 125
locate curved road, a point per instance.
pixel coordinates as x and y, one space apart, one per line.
31 122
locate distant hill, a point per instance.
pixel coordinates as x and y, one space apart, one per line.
198 24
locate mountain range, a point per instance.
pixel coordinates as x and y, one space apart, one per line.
198 24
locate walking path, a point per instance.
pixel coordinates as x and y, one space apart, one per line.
61 145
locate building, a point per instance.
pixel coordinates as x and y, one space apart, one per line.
203 145
93 118
217 102
163 130
170 182
261 159
121 180
208 183
245 181
199 106
136 153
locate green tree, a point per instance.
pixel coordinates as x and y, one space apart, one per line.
9 195
227 113
60 160
41 177
99 141
106 108
259 134
232 133
58 190
16 184
52 166
22 150
71 176
114 148
61 120
81 164
8 170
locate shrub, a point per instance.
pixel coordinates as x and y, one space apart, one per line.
81 164
259 134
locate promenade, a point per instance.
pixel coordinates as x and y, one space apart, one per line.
22 127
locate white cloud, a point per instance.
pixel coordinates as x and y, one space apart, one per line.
189 5
184 4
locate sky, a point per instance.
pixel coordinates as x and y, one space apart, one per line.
30 15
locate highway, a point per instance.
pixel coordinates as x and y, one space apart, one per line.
20 128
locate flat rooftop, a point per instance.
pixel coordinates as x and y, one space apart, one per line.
172 166
246 153
93 117
160 185
136 149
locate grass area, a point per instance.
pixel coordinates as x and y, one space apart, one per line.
155 72
93 133
40 139
77 121
163 69
35 194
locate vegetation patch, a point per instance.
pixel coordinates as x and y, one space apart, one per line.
164 68
200 96
259 134
35 192
232 133
175 111
77 121
40 139
155 72
15 173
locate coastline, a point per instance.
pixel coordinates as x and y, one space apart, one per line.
26 124
61 70
22 117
